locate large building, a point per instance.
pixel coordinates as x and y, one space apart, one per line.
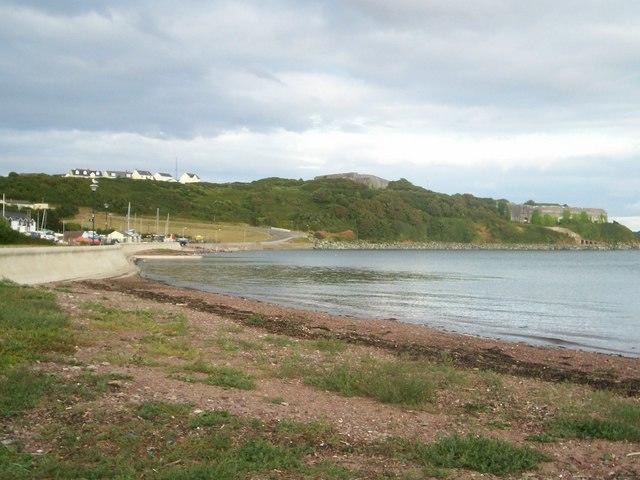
370 181
522 213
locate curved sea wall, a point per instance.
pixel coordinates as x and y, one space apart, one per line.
33 265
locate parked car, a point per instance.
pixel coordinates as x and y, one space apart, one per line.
88 237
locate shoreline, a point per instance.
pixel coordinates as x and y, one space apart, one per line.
364 245
556 364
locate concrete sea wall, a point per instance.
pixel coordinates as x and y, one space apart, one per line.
34 265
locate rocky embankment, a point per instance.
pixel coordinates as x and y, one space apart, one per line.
364 245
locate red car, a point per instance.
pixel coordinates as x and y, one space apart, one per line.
88 238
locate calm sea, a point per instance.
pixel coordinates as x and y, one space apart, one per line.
584 300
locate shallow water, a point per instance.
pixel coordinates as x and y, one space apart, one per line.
586 300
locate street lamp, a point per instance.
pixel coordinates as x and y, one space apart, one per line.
93 186
106 216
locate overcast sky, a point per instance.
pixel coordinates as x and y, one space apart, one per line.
497 98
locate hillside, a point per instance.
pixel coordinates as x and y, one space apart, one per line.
400 212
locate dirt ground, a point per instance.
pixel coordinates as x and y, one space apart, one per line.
259 337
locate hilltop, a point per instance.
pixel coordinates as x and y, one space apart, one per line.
399 212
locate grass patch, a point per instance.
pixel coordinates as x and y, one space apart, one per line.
604 416
481 454
211 419
328 345
405 382
227 377
157 345
256 320
541 438
32 326
161 411
475 408
21 389
114 319
232 345
590 427
311 433
162 440
279 341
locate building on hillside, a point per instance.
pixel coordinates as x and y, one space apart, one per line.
163 177
116 174
522 213
84 173
189 178
87 173
142 175
370 181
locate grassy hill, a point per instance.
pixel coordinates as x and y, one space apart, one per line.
400 212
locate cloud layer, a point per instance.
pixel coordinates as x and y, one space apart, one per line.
519 100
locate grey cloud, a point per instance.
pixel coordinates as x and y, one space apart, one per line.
178 72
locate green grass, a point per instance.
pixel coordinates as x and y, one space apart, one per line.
161 440
590 427
32 326
481 454
235 345
398 381
113 319
605 416
159 411
327 345
256 319
227 377
21 389
158 345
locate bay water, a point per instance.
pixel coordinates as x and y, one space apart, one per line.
575 299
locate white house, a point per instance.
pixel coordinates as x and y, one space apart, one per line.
21 223
141 175
130 236
189 178
163 177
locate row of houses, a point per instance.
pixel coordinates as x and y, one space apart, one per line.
186 177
